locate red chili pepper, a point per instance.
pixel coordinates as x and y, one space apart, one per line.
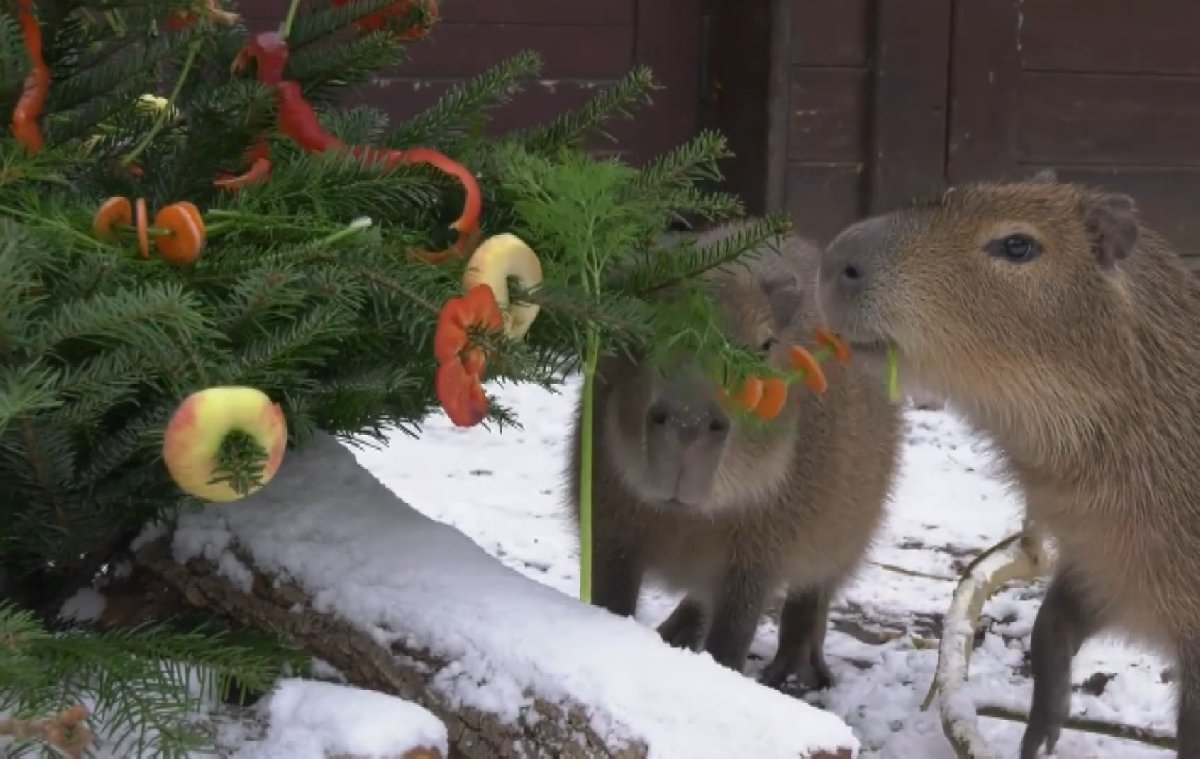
269 50
461 364
37 84
298 120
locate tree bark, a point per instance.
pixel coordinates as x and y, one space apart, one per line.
401 672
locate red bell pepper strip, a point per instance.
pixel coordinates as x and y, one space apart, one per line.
269 50
298 120
25 116
458 381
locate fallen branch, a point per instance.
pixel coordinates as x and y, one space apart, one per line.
1018 557
64 731
1085 725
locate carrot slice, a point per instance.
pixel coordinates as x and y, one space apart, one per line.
773 397
143 228
751 393
116 210
186 239
813 376
840 350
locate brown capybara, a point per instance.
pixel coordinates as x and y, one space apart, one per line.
1068 332
731 512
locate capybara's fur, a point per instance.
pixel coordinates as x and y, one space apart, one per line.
729 512
1069 333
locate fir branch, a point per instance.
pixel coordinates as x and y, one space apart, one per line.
463 111
694 161
355 61
571 128
144 682
661 269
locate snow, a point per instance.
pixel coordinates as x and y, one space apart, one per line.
312 720
506 492
359 552
86 605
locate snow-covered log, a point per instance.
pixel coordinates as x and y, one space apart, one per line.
405 605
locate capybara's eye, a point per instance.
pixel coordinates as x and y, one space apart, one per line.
1017 248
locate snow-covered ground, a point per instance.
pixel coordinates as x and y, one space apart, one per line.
506 491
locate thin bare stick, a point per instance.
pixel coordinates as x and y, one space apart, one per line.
1084 725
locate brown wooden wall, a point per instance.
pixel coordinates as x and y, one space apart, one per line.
583 45
1116 105
892 98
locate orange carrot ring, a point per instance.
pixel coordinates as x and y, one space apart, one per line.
840 350
186 239
143 228
113 211
774 395
813 376
751 393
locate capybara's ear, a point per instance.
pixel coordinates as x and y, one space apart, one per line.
1111 221
1045 176
785 294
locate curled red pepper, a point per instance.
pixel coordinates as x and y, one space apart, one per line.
37 84
267 49
298 120
467 223
458 380
258 172
389 16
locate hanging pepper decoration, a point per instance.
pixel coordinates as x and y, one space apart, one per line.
29 107
297 120
392 15
459 378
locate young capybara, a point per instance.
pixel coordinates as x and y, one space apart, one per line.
730 512
1068 332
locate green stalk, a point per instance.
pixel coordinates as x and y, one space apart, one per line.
591 358
286 28
161 119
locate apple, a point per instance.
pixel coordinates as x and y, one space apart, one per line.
205 418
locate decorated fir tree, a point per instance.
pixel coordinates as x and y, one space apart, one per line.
184 205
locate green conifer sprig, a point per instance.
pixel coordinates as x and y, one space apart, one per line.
463 111
142 684
570 129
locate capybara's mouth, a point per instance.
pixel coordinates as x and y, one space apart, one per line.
873 347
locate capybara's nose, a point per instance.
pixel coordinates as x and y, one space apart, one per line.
686 422
846 261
